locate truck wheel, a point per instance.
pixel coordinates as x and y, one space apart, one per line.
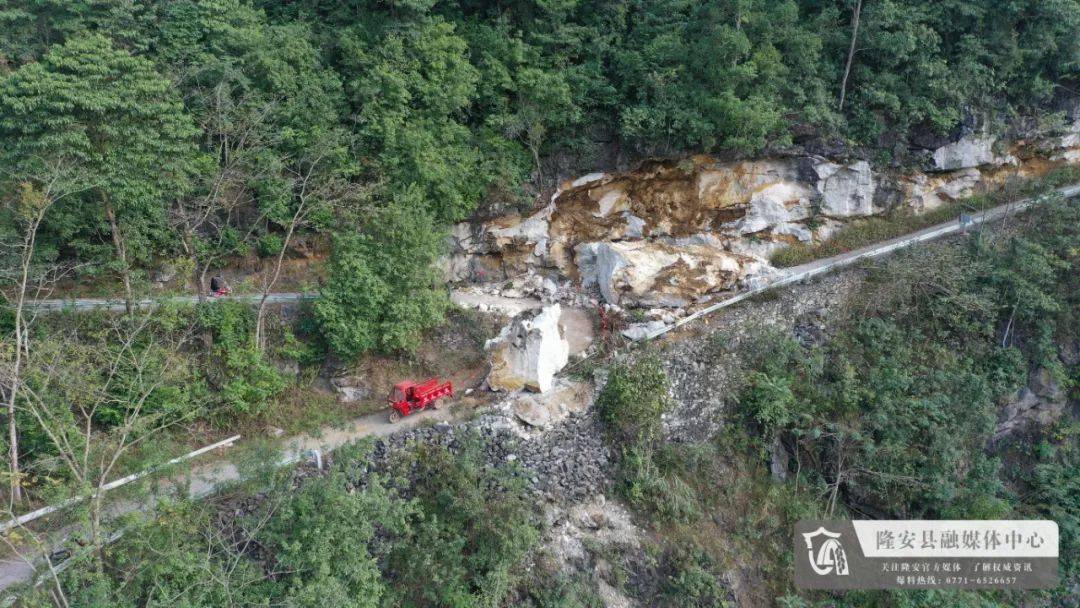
435 404
394 416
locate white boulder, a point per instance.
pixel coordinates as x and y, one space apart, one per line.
639 331
528 352
657 273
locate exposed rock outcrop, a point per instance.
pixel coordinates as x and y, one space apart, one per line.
350 389
1040 403
969 152
529 351
671 233
776 207
1067 147
846 190
926 192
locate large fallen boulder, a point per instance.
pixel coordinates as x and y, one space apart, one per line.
529 351
670 273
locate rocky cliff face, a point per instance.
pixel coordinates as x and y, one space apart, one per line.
674 233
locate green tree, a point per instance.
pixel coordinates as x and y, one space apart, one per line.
31 26
229 60
383 291
410 86
89 105
96 394
327 540
702 76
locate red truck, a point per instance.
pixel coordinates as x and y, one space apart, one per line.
409 396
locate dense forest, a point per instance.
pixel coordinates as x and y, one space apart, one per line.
137 132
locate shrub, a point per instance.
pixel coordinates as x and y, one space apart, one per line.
269 245
245 380
692 583
382 292
633 399
654 489
472 527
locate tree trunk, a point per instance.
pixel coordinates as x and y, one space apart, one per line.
97 540
26 259
121 252
836 483
13 393
851 50
268 285
13 431
534 147
198 275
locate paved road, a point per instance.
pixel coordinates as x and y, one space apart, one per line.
119 305
208 478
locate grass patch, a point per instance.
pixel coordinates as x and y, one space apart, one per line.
903 221
303 410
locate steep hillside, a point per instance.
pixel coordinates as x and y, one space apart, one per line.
671 476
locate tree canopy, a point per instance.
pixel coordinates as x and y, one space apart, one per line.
197 117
